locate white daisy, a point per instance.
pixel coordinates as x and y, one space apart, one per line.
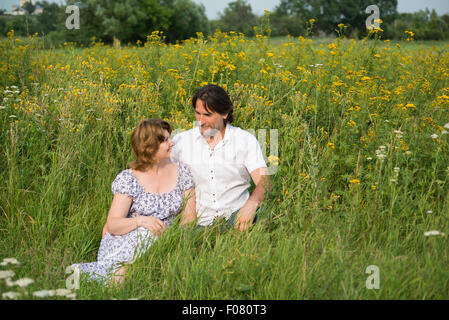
63 292
434 136
9 260
7 274
71 296
433 233
24 282
11 295
44 293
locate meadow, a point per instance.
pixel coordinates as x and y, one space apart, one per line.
362 165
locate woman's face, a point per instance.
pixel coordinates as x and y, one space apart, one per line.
165 147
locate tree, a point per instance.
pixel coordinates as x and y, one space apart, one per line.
125 20
50 18
187 18
238 16
329 13
29 7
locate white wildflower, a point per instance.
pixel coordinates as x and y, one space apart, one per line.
399 134
434 136
44 293
24 282
380 153
429 211
98 119
369 158
433 233
446 125
71 296
9 260
9 282
396 169
444 132
11 295
14 87
13 116
2 107
7 274
63 292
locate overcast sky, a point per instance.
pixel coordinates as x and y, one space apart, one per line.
214 6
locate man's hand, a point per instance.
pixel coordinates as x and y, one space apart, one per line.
245 217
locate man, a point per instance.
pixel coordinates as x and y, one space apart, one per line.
223 159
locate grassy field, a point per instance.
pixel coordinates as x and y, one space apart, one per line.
363 165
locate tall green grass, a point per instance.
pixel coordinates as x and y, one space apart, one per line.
335 209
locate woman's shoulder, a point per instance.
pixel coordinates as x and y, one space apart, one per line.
182 167
126 174
185 176
124 182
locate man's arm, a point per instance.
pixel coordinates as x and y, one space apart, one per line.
246 214
189 214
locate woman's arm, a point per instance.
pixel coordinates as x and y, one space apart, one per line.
118 224
189 214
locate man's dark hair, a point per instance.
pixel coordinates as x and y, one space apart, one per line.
215 99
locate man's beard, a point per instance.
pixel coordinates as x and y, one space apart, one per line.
209 133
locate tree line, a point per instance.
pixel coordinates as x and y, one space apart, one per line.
130 21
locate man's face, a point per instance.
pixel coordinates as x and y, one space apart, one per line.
210 122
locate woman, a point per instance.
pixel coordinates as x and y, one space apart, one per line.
147 197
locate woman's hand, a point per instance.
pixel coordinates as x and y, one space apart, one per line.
153 224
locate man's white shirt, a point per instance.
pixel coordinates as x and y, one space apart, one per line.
222 175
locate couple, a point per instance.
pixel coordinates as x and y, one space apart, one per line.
209 168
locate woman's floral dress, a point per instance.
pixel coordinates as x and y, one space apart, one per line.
117 250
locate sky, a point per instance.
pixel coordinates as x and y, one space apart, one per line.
214 6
